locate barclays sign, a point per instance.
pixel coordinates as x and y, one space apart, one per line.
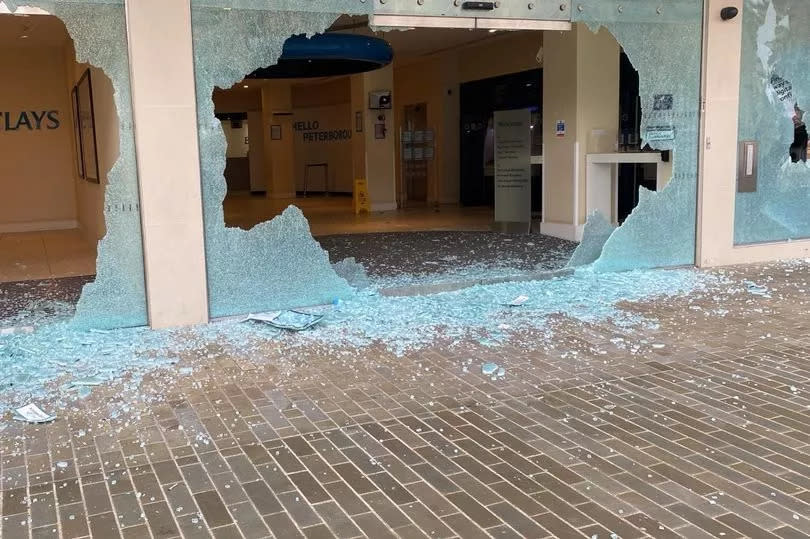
30 120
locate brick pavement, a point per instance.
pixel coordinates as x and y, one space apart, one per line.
697 428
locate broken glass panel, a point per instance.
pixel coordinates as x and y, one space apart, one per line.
663 41
597 231
773 190
117 298
277 264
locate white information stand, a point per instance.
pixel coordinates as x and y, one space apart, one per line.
602 189
513 172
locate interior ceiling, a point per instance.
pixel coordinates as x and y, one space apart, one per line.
42 30
408 45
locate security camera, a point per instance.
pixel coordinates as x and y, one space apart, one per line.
728 13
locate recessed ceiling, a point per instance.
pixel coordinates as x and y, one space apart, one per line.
408 45
42 31
327 55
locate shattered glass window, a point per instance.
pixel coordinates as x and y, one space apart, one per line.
276 264
117 298
663 41
773 184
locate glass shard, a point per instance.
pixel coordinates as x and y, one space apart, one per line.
117 298
597 231
774 88
277 264
663 42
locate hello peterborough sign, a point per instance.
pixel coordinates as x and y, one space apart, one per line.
30 120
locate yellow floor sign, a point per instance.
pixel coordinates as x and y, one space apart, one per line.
361 201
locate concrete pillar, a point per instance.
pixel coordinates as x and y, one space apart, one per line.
164 111
580 88
380 159
279 154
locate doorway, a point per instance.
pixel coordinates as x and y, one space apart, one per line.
479 101
237 152
415 161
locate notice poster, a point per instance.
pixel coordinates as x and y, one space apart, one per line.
513 172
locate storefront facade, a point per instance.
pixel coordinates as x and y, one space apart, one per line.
720 88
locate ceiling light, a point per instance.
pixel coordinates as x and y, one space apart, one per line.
23 36
492 30
245 86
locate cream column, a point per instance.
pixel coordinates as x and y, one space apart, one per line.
560 163
165 118
580 88
448 143
258 179
359 105
380 153
279 153
722 50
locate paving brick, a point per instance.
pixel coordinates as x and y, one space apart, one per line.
701 437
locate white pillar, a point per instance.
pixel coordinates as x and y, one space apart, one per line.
164 112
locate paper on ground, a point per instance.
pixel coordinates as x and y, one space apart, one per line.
291 320
33 414
518 301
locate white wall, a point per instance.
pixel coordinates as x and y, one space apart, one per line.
236 140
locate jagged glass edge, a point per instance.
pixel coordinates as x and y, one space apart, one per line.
665 48
117 297
774 42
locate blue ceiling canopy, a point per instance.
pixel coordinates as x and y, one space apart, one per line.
328 55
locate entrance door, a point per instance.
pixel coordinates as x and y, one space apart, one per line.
415 171
479 100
